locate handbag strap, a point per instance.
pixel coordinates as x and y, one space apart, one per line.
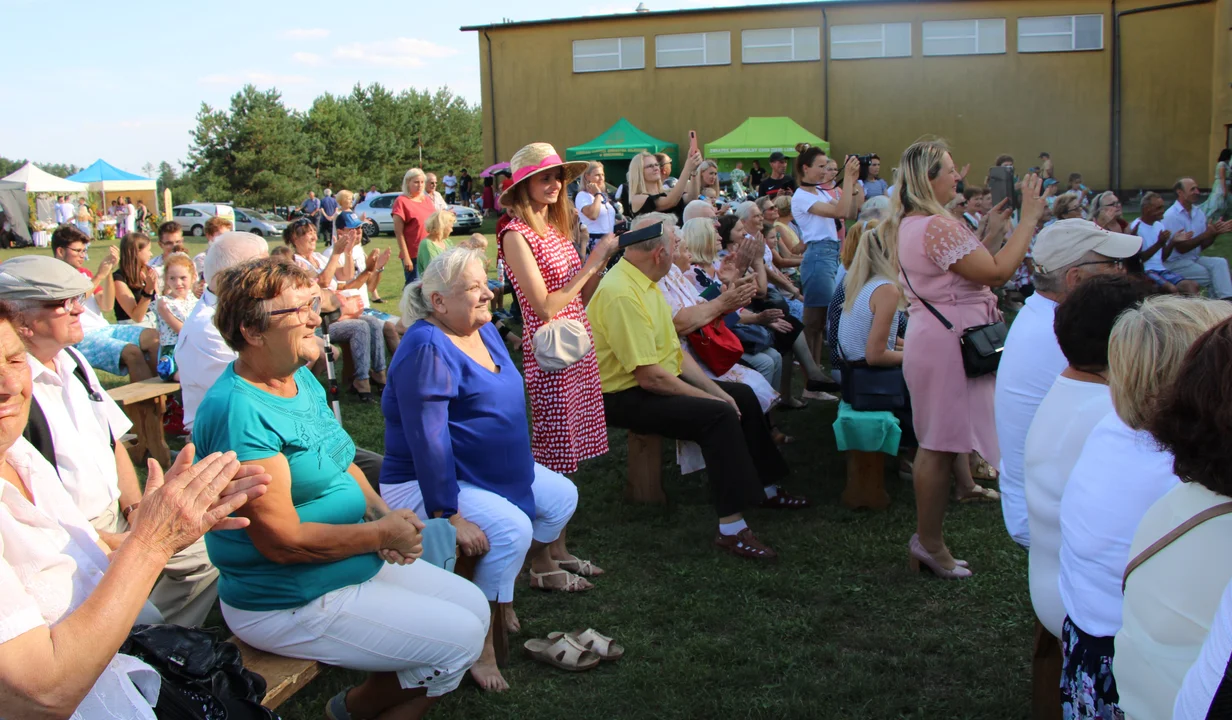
1176 532
931 309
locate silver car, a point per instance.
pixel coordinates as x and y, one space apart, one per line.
192 218
259 223
379 209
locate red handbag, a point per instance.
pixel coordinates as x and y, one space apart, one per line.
716 346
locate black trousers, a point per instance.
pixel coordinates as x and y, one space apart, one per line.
741 457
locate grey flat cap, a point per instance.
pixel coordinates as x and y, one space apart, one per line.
38 277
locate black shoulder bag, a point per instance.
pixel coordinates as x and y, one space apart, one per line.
869 388
981 345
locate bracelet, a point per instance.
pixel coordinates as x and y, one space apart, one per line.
130 509
149 295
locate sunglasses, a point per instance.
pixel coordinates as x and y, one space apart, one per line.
1116 263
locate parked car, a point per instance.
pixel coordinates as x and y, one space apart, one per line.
379 209
192 218
258 222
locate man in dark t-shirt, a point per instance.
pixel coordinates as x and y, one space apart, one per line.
778 181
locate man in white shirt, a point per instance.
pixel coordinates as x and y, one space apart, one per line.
1157 247
1066 253
81 427
430 188
64 210
1186 259
451 186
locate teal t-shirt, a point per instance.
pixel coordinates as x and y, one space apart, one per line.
236 415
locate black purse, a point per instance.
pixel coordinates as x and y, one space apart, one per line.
869 388
981 345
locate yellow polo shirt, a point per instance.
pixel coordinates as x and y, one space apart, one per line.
632 324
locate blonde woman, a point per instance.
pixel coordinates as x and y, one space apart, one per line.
411 212
708 181
439 227
943 262
647 192
596 211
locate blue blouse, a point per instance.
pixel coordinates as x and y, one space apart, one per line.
448 418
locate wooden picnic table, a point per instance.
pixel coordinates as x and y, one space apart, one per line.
145 403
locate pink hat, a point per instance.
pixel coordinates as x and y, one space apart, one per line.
534 159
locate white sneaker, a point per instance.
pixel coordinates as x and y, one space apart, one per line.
819 396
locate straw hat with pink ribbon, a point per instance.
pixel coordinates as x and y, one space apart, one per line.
536 158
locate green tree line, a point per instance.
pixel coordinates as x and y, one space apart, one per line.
260 153
7 167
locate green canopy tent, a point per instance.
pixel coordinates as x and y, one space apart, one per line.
616 146
756 138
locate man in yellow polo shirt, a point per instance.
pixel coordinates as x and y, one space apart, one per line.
651 387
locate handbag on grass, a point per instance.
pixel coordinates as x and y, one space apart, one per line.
981 345
716 346
869 388
560 343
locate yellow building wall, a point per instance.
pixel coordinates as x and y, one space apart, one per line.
984 105
1221 85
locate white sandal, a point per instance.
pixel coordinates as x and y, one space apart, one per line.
573 583
562 652
590 639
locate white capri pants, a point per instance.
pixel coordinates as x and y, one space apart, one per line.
508 529
423 623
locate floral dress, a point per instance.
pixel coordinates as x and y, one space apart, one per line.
566 406
1216 205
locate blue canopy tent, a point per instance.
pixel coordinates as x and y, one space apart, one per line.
103 177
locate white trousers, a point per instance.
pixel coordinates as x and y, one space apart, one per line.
1209 272
419 621
508 529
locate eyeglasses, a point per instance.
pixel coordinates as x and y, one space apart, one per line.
1116 263
78 250
68 304
303 312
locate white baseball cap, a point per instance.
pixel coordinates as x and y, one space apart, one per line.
1065 241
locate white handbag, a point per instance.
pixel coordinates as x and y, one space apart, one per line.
560 343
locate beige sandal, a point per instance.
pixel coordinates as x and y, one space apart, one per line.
573 583
562 652
980 494
982 470
578 566
601 645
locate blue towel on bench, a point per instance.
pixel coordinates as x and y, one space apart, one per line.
866 431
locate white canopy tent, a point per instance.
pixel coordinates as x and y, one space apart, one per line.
39 181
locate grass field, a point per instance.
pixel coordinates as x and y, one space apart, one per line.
839 628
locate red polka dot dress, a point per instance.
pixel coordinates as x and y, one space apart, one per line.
566 405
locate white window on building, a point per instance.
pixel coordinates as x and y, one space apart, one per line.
802 44
964 37
606 54
1066 33
712 48
885 40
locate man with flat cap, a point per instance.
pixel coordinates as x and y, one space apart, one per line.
651 387
78 427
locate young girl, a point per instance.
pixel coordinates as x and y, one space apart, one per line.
176 303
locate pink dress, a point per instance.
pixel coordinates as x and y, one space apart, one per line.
953 413
566 406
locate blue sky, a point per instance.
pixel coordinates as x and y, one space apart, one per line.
124 81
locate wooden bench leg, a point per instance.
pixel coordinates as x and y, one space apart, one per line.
865 481
147 418
645 483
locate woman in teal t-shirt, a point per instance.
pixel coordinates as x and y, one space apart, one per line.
325 570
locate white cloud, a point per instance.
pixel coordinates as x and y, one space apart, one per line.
307 58
399 52
256 78
305 33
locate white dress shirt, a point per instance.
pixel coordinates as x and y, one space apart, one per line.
82 431
50 562
1062 424
1030 364
1120 474
1177 220
201 355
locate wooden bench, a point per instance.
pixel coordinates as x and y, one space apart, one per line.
645 481
286 676
145 403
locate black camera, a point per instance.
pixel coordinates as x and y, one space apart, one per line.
865 161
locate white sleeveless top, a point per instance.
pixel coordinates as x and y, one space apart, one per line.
854 326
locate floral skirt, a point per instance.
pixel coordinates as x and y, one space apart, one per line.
1088 689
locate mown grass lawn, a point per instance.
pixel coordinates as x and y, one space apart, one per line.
839 628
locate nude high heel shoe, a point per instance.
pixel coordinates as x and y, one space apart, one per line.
918 556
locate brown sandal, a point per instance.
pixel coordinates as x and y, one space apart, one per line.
745 544
564 652
601 645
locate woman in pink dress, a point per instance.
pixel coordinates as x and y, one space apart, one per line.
551 282
943 262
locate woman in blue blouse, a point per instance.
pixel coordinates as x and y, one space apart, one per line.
457 443
325 570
